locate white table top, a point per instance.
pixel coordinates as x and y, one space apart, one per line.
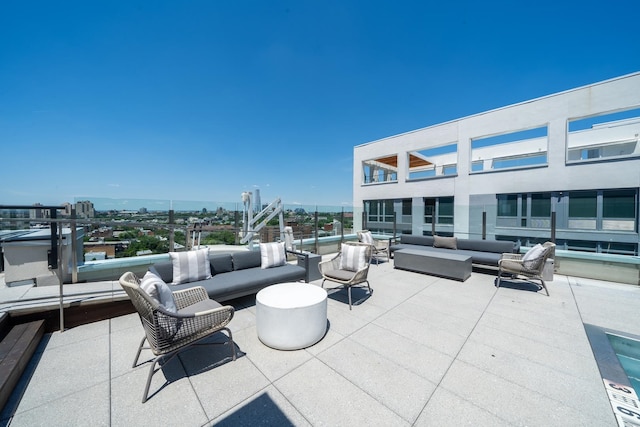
291 295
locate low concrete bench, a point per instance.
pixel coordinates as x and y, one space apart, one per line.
451 265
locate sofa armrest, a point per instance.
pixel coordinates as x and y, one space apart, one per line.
303 261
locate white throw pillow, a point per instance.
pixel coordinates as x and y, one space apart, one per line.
272 255
353 257
190 266
367 237
159 291
531 257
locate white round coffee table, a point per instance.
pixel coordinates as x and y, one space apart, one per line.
291 316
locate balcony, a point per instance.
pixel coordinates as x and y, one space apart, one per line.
421 350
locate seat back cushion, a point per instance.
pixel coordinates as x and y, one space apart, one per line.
445 242
531 260
190 266
496 246
159 291
366 237
220 263
353 258
246 259
163 269
411 239
272 255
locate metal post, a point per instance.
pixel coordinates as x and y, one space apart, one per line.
484 225
74 252
341 229
236 225
316 226
395 220
172 231
60 279
53 256
553 227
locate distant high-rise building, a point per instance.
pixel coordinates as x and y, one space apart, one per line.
84 208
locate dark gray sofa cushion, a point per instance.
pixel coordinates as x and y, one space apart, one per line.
164 270
410 239
246 259
497 246
220 263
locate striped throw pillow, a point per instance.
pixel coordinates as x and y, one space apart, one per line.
272 255
367 237
353 257
190 266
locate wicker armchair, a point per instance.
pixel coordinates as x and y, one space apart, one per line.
531 268
334 271
168 333
377 246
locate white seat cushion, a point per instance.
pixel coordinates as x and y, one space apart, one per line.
353 257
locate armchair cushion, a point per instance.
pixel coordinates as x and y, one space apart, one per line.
190 266
353 258
200 306
367 238
272 255
159 291
530 259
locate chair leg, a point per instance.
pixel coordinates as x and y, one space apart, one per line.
145 396
498 281
349 292
544 286
135 361
232 344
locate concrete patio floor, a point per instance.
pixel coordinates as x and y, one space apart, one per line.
421 350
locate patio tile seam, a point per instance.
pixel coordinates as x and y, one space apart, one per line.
413 341
536 395
248 399
524 385
455 357
538 342
469 402
369 394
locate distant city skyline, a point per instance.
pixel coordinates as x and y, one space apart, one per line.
206 100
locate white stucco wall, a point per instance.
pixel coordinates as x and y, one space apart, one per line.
553 111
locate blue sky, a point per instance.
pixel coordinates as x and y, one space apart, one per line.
202 100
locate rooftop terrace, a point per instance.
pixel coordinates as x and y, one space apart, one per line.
421 350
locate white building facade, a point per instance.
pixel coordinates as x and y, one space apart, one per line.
564 166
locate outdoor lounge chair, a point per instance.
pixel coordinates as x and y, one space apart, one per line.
349 268
166 332
377 246
530 265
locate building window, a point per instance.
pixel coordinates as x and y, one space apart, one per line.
379 210
381 169
507 205
445 210
406 206
619 210
541 205
439 207
525 148
583 210
433 162
605 137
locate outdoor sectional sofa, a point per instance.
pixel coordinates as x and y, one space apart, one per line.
483 253
237 274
